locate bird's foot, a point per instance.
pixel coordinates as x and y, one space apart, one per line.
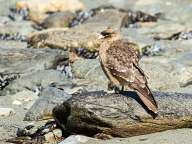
115 89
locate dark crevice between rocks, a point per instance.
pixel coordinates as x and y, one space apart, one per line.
129 20
81 52
88 122
132 18
17 15
25 136
6 78
152 50
185 35
15 37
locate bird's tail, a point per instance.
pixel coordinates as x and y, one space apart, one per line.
146 97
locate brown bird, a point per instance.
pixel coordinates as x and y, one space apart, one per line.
119 60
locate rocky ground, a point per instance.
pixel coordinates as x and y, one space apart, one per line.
49 53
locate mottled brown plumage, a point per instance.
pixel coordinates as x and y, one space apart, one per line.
119 60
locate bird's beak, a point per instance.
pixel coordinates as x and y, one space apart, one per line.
99 36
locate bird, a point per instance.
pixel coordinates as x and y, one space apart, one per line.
119 60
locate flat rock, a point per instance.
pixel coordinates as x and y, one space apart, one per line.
42 108
5 112
28 60
39 8
58 19
24 96
89 71
6 5
16 102
23 27
36 80
81 36
169 137
122 115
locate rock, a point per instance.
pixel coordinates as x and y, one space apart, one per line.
82 36
12 44
5 79
16 102
6 5
58 19
169 137
52 137
25 96
4 19
132 18
16 29
42 108
161 73
38 9
78 139
6 112
152 50
91 73
122 115
37 80
29 60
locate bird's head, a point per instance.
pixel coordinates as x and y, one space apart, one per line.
107 34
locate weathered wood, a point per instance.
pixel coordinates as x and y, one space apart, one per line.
122 115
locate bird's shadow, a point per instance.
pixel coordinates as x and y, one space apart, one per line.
135 96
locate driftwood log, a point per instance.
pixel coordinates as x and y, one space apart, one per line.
122 115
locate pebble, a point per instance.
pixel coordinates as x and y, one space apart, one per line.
75 139
152 50
6 112
53 136
16 102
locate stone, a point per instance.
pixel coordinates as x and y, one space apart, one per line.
6 112
78 139
169 137
90 71
29 60
37 80
25 96
82 36
42 108
6 5
58 19
16 102
11 28
52 137
122 115
39 8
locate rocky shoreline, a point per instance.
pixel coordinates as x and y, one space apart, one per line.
49 59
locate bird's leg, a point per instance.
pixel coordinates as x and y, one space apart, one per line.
122 89
111 87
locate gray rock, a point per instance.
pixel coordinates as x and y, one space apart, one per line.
42 108
28 60
23 27
90 71
121 115
36 80
6 5
82 36
12 44
58 19
177 136
5 112
52 136
78 139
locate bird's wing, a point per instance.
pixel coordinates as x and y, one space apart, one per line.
120 59
122 62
